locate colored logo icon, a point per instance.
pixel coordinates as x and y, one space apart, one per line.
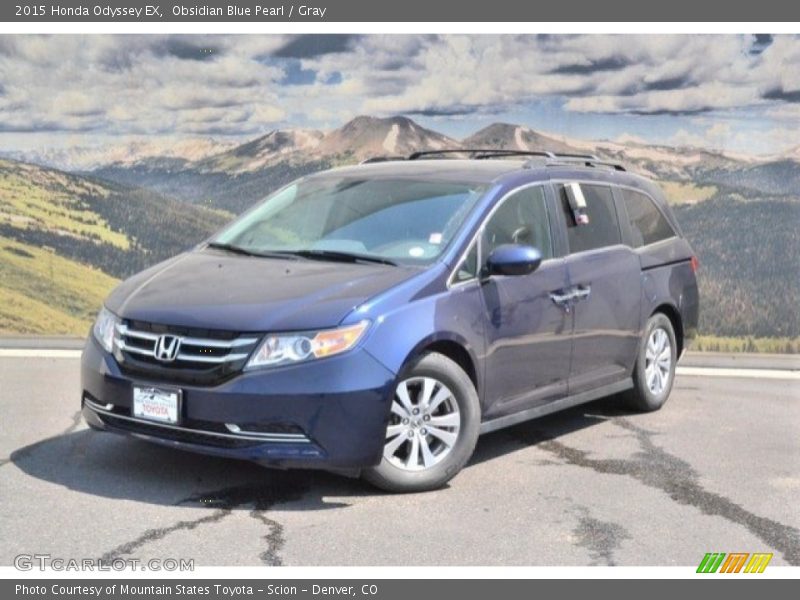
735 562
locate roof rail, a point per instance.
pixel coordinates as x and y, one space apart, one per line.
379 159
571 159
551 158
569 155
479 153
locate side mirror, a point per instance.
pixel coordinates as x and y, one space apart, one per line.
513 259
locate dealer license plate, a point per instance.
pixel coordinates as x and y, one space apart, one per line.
156 404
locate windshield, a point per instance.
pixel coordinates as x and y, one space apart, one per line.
402 220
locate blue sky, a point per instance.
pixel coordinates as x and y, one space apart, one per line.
739 93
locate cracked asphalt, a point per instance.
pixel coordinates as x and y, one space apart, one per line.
717 470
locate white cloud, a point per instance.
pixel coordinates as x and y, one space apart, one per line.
138 84
126 85
785 112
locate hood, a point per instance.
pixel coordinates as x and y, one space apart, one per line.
215 290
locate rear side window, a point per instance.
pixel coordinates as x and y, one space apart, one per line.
602 228
648 224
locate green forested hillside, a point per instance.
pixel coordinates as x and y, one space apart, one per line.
779 177
44 293
748 247
233 192
66 239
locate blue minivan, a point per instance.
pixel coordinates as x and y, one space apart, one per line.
376 319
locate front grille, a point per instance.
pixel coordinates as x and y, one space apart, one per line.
198 356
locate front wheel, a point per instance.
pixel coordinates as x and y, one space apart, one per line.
433 427
655 366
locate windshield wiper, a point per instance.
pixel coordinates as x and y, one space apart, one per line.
230 248
341 256
244 251
313 254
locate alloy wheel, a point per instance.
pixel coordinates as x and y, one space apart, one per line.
424 424
658 361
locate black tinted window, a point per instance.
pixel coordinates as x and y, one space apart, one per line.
521 219
602 229
648 225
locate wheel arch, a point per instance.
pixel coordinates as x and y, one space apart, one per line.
674 315
454 348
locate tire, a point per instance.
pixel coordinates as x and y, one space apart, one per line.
446 424
652 375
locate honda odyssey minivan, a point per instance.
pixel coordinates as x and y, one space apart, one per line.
376 319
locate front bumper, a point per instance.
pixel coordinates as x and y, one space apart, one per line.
328 414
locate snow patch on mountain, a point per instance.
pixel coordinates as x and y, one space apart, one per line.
519 141
390 141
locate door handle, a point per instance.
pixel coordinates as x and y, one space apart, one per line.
565 298
562 298
581 292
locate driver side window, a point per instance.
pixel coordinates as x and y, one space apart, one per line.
521 219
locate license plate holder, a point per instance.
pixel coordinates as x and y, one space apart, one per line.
157 404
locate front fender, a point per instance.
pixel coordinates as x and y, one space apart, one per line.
454 315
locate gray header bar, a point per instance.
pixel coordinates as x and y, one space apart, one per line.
393 11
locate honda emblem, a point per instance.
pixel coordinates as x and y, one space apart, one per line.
167 348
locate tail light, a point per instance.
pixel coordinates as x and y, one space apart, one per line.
695 264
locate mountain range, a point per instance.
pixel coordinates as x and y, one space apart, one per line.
108 213
88 157
235 177
364 137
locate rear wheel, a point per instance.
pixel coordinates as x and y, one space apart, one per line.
432 430
654 372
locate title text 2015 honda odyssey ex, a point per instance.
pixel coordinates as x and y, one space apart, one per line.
376 319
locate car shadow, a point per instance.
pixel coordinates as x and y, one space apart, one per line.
125 468
530 433
119 467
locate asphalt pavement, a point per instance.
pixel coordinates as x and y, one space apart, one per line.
717 470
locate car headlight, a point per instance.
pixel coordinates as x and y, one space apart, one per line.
281 349
105 329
